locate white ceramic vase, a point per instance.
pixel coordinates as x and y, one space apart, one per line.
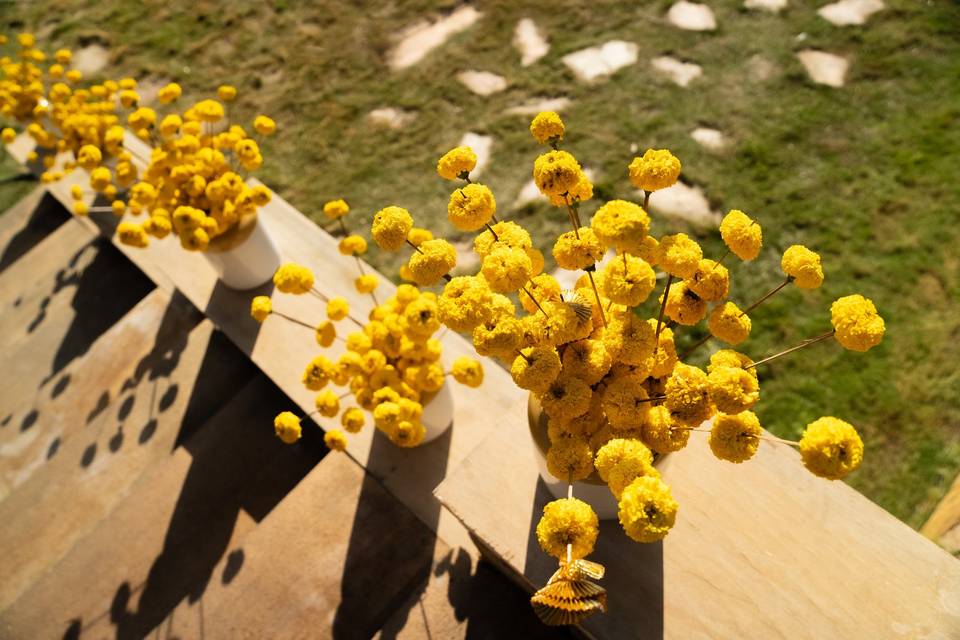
249 264
437 414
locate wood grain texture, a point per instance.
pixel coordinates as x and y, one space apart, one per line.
943 526
759 550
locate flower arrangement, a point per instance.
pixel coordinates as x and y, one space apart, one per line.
390 365
605 371
192 185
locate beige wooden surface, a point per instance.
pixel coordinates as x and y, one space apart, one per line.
943 526
759 550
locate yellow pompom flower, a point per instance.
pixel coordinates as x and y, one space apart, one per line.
293 278
568 521
729 324
711 280
325 333
457 163
260 308
556 173
8 135
831 448
421 319
287 427
732 389
366 283
89 157
856 322
688 395
803 266
570 459
327 403
582 190
684 306
536 369
80 208
647 509
563 323
572 252
226 92
621 224
506 269
566 398
498 337
208 110
625 402
338 308
132 234
620 450
335 440
407 434
264 125
76 192
353 246
336 209
168 93
465 303
678 255
543 288
588 360
433 260
418 236
471 207
657 169
508 234
735 438
390 227
353 419
157 226
547 127
661 433
741 234
318 373
467 371
628 284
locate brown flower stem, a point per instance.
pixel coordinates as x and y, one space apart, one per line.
315 292
496 238
343 226
652 399
345 395
521 354
624 254
722 258
663 306
363 272
415 247
596 294
805 343
527 291
699 344
493 217
646 198
765 296
747 435
573 220
293 320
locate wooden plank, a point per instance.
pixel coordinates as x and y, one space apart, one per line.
28 222
175 391
759 550
943 526
89 386
162 543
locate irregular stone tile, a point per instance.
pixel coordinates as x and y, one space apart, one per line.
681 73
482 83
824 68
597 63
530 42
772 6
425 36
391 117
684 202
90 59
850 12
710 139
692 16
534 107
481 146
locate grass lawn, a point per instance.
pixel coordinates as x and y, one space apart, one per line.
865 174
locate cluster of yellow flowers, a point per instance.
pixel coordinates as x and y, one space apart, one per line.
607 375
192 184
391 365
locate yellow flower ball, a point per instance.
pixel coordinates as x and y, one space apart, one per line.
729 324
735 438
731 358
390 227
620 450
568 521
207 110
547 127
657 169
661 433
418 236
587 360
742 235
467 371
408 434
625 402
168 93
366 283
543 288
471 207
260 308
732 389
582 190
684 306
318 373
465 303
621 224
536 369
506 269
572 252
508 234
566 398
628 284
570 459
226 92
688 395
678 255
353 246
335 440
80 208
711 280
287 427
132 234
556 173
831 448
803 266
856 322
353 420
8 135
325 333
292 278
264 125
336 209
498 337
421 318
435 259
338 308
457 163
89 157
647 509
562 323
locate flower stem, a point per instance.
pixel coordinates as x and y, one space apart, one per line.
722 258
596 294
521 354
765 296
805 343
699 344
293 320
663 305
527 291
496 238
747 435
646 199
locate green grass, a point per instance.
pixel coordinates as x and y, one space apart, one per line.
866 175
